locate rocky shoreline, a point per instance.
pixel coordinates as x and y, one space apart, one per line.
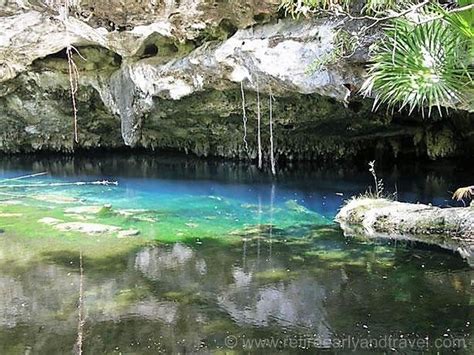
449 228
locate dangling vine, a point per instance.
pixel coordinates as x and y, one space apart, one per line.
63 10
272 154
244 116
259 133
73 85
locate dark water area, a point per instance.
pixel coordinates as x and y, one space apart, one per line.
230 260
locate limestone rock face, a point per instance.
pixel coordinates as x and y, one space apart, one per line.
169 74
450 228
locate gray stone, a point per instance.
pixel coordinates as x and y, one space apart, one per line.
88 228
449 228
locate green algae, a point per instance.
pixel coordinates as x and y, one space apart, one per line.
220 326
58 228
25 220
274 275
126 297
184 297
297 258
207 222
190 218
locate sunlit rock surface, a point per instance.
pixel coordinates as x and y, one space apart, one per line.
450 228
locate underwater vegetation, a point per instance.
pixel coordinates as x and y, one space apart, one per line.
161 265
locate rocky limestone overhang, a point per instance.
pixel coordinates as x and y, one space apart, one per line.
450 228
270 57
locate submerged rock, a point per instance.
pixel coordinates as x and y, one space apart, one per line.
449 228
79 216
11 202
58 199
89 209
128 233
10 215
293 205
88 228
50 221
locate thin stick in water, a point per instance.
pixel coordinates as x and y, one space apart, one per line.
259 136
81 320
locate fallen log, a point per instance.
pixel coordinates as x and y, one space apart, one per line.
60 184
24 177
450 228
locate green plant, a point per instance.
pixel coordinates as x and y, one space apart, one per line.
378 183
423 64
378 6
463 193
345 44
295 8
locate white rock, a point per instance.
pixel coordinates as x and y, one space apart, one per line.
50 221
88 228
86 209
60 199
10 215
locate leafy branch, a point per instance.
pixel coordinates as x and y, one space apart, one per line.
423 60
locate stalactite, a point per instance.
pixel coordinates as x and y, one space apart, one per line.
259 135
244 115
272 154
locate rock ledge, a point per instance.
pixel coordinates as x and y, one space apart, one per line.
449 228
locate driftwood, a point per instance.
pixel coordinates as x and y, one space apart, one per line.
450 228
56 184
24 177
52 184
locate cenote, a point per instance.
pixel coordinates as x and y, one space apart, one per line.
209 255
236 177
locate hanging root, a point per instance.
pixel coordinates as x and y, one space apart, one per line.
244 116
62 7
73 85
259 135
272 154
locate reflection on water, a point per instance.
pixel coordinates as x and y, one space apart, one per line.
180 297
288 273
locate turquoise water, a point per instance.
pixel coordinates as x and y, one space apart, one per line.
226 259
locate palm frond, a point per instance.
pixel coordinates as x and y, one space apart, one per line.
422 65
463 193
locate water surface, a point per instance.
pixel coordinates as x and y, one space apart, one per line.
225 255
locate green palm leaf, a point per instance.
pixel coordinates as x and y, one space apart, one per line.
423 65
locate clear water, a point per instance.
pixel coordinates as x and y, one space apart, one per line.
227 259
